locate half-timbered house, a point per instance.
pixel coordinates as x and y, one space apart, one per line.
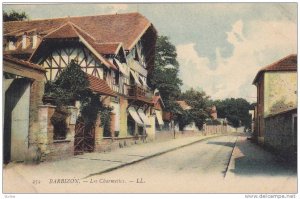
117 49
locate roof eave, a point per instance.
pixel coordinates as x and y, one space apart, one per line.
139 37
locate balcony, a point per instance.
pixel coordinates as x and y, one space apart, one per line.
136 92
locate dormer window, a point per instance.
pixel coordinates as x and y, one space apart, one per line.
11 45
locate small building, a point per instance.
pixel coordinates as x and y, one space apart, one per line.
192 126
213 112
276 103
157 110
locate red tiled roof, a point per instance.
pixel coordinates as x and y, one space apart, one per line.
125 28
155 99
65 31
288 63
100 86
23 63
107 48
183 105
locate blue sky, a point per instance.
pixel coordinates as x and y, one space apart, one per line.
220 46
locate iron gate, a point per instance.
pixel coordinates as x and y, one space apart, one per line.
84 138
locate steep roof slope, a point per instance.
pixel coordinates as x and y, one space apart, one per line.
288 63
125 28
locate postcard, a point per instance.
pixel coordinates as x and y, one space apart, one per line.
150 98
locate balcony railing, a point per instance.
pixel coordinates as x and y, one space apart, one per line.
139 93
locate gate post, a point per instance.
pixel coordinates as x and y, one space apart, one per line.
112 124
45 137
71 122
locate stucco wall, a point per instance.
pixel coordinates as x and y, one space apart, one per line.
123 117
279 92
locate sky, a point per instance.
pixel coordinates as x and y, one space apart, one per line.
220 46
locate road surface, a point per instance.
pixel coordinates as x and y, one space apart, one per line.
224 164
198 168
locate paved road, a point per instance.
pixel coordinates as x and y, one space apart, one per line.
196 168
200 168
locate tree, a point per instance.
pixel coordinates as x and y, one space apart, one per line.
165 74
72 84
235 110
14 16
200 104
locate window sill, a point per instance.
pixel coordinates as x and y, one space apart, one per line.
61 141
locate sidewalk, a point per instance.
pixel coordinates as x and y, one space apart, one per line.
82 166
254 169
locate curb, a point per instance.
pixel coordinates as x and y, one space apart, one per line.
150 156
230 162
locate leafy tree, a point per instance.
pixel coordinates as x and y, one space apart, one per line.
235 110
184 118
72 84
200 105
14 16
165 74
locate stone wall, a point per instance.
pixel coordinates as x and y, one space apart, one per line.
280 135
49 148
109 144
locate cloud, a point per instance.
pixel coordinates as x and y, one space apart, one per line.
113 8
41 11
256 43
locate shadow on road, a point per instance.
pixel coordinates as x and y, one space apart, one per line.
228 144
253 160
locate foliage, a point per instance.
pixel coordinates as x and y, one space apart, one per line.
71 85
199 103
184 119
58 120
14 16
235 110
165 74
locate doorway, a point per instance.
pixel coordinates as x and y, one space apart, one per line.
16 119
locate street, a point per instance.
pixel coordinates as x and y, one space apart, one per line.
200 168
222 164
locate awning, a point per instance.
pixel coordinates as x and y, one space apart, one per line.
159 117
122 67
138 68
144 118
135 116
136 79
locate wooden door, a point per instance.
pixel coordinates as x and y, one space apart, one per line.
84 138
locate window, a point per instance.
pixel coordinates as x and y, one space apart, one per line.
105 74
60 127
115 77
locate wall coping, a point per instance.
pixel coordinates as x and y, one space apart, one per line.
61 141
291 110
46 105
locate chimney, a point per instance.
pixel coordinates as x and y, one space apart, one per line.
24 41
34 41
